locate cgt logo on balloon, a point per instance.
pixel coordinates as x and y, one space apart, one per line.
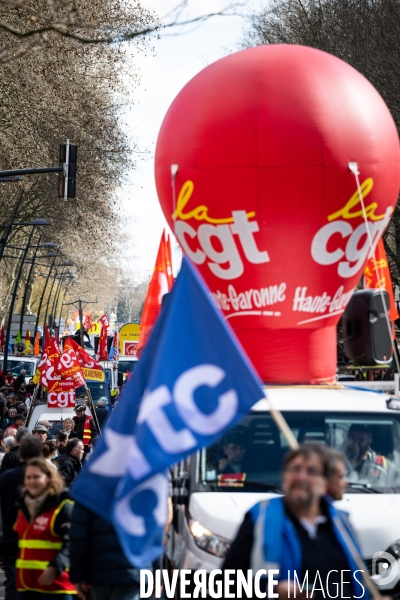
336 243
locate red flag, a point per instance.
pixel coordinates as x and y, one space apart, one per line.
377 275
85 360
103 352
88 322
168 259
27 336
48 366
69 367
104 323
47 339
160 284
2 338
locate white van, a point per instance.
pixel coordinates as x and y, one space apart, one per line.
16 363
209 507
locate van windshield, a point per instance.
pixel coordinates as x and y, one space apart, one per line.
97 390
15 365
127 366
249 457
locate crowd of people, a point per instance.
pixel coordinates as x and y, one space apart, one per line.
38 520
50 547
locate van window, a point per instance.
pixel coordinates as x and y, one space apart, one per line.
250 455
17 364
97 389
125 366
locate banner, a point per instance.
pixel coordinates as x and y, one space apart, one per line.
61 394
96 374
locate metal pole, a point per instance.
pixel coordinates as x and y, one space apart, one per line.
56 297
21 321
81 322
14 295
91 406
43 294
10 224
48 301
62 302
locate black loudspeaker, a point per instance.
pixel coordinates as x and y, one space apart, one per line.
364 330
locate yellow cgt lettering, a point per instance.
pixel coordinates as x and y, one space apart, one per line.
200 213
346 213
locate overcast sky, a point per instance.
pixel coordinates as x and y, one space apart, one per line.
177 58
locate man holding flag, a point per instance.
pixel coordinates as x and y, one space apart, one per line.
192 384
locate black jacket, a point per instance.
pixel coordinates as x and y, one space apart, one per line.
10 460
10 484
68 467
102 416
18 382
79 426
96 555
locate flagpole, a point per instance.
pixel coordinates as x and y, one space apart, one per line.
91 406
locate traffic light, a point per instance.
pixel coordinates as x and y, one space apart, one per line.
68 156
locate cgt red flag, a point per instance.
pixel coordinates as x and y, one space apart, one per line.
2 338
85 360
88 322
377 275
69 367
103 351
161 283
48 366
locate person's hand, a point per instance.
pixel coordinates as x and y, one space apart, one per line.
82 589
48 576
222 463
285 590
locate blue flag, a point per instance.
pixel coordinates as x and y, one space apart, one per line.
192 383
112 350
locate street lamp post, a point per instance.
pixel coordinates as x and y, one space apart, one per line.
66 264
34 223
39 245
58 293
48 301
63 300
60 279
80 308
43 293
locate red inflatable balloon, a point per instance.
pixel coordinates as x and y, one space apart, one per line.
252 171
